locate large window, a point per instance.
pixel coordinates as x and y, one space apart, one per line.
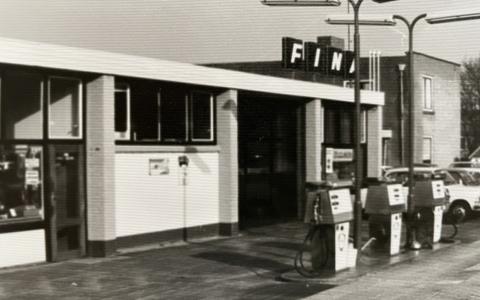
22 105
65 108
427 93
170 115
21 177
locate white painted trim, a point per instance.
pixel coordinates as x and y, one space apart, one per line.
428 137
431 108
26 53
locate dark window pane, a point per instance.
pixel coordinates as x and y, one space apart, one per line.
144 99
330 126
121 110
345 123
173 115
22 104
202 126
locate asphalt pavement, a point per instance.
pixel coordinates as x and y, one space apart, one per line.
256 265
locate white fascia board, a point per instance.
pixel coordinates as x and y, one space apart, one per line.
27 53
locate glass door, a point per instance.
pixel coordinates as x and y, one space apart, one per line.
67 202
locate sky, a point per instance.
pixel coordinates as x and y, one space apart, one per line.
206 31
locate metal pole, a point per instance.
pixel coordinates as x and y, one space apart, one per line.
357 134
401 135
411 234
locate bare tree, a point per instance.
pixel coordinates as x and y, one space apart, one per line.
470 98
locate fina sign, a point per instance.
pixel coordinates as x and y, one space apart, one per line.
312 57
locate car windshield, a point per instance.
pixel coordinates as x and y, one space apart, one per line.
464 177
402 176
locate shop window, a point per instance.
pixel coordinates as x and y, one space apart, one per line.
427 93
171 115
21 195
122 111
427 150
22 106
202 116
65 108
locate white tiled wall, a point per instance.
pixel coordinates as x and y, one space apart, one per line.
152 203
25 247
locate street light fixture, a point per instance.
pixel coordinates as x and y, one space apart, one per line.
463 15
301 2
358 165
369 20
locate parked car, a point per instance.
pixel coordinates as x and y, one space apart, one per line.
461 187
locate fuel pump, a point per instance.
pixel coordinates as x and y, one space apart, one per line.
429 206
329 212
385 204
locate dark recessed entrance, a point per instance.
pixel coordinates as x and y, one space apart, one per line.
267 160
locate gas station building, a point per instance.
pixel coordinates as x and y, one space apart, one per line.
102 151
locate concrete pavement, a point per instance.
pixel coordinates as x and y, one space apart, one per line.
255 265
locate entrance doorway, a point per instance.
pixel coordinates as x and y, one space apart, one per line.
67 202
267 161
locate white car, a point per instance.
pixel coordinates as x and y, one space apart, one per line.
463 191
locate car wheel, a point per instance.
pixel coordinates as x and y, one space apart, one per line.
459 212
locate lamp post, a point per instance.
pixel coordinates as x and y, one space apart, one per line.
412 243
356 45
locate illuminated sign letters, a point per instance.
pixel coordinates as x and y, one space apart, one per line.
312 57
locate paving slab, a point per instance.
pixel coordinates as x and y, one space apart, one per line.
255 265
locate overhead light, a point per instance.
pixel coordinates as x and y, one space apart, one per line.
301 2
454 16
363 20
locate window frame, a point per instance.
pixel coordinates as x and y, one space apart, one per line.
429 107
80 108
430 138
118 134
